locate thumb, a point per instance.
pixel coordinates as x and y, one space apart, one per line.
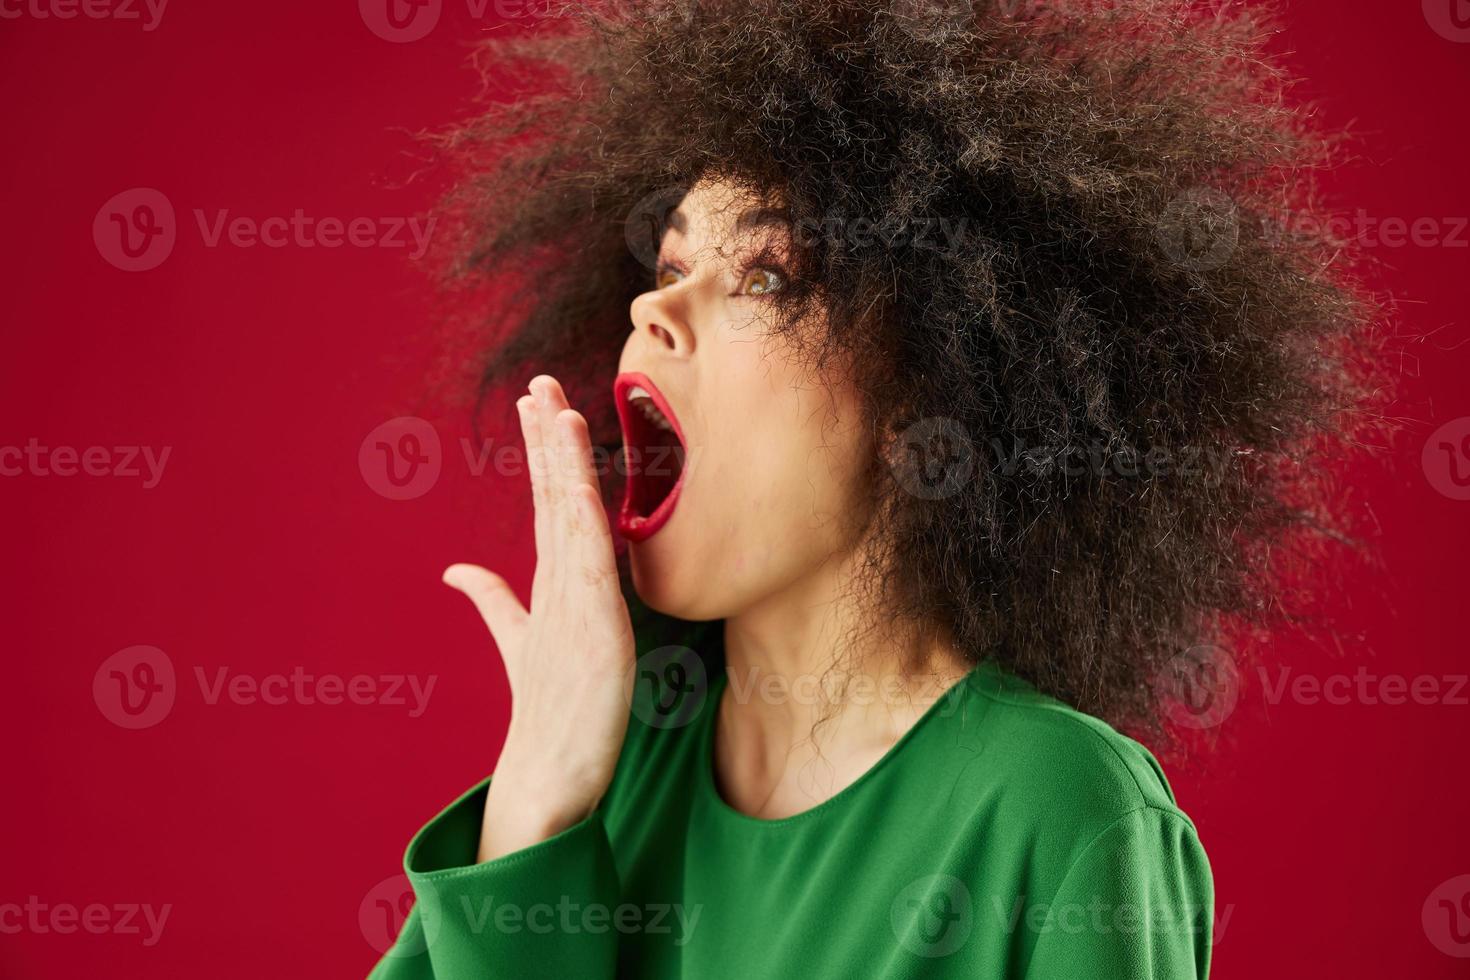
497 604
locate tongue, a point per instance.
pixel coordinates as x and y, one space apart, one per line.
654 464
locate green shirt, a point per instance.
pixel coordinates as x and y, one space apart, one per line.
1004 835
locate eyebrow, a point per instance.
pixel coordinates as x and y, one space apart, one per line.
748 220
763 217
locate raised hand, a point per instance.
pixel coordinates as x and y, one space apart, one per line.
570 657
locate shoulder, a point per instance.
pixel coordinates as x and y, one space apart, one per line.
1074 812
1052 754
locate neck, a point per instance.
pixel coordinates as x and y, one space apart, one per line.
791 656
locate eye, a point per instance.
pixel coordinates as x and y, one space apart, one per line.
760 281
665 275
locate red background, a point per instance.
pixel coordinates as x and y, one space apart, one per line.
264 548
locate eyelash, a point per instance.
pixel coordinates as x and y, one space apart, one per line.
758 264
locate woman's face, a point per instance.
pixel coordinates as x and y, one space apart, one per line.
768 491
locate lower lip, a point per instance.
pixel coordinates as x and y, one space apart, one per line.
637 527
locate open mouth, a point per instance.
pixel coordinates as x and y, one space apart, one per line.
653 456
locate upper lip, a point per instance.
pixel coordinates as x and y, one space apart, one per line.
637 379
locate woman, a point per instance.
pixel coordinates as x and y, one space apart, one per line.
955 375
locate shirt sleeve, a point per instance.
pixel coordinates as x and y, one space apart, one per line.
542 911
1138 902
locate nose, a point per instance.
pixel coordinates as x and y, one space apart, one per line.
660 318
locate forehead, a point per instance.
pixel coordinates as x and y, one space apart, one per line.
715 210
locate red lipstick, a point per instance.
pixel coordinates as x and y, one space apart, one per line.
653 456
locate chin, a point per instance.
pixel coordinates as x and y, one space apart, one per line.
669 583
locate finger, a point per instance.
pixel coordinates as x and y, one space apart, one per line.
576 479
497 604
551 499
593 545
572 432
551 400
594 542
569 459
536 468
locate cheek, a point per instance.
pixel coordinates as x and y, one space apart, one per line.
772 492
784 468
768 504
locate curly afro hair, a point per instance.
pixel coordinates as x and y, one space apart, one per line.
1068 256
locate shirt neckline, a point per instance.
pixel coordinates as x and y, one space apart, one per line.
709 788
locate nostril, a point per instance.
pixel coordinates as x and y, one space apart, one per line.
663 335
